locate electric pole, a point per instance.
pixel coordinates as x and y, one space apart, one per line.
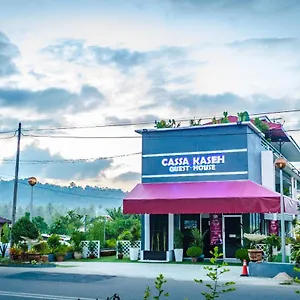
15 195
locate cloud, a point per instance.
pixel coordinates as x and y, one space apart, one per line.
147 119
8 52
77 52
128 176
53 167
52 99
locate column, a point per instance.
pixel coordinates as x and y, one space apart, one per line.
147 231
171 232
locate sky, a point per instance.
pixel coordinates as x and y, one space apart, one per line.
81 63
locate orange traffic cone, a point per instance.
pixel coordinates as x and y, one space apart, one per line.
244 269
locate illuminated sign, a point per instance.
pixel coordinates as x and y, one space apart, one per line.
193 163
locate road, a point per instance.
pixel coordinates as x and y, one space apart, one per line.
31 285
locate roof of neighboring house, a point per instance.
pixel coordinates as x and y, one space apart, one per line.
3 220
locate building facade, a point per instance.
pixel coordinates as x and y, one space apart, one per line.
218 178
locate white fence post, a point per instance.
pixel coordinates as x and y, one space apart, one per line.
86 252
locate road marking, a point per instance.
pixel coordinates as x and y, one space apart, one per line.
42 296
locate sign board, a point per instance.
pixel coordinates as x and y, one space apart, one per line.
216 230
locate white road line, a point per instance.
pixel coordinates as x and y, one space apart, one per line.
42 296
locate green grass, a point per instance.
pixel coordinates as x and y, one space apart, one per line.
127 260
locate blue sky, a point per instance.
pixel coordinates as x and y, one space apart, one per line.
87 62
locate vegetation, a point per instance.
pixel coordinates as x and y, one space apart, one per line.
242 254
4 238
178 239
24 227
166 124
194 251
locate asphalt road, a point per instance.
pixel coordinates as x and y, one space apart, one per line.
56 286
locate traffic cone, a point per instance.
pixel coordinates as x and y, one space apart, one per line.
244 269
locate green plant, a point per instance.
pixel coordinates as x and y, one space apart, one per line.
4 238
24 227
125 236
178 239
242 254
216 289
225 118
198 238
159 282
53 241
272 241
262 126
194 122
243 116
194 251
111 244
120 248
135 234
61 250
42 248
76 238
163 124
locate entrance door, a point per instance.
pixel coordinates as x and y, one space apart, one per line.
188 222
233 235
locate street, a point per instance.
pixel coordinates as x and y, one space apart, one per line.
35 284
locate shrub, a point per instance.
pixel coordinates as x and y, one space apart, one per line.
24 227
53 242
194 251
242 254
125 236
111 244
42 248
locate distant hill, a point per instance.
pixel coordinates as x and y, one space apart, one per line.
87 200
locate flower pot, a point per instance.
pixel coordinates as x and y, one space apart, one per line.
51 257
34 256
255 255
60 258
194 259
44 258
77 255
120 256
178 253
134 253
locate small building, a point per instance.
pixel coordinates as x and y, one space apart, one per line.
4 221
219 178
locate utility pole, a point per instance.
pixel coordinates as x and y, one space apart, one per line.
15 195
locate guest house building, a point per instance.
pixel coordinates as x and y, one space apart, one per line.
217 177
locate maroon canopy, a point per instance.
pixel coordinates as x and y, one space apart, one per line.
239 196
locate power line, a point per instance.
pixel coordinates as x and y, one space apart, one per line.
125 124
80 160
156 137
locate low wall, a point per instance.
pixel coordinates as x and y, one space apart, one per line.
270 269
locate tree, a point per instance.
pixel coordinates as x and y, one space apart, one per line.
24 227
96 231
4 238
115 213
41 224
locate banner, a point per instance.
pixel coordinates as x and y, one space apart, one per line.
273 227
216 230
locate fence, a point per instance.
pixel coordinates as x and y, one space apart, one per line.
126 245
91 248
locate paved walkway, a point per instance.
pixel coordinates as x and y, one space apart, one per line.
180 272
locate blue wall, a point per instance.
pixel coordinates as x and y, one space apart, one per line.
215 141
254 156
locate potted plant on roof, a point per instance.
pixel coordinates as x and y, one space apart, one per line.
134 248
76 238
178 245
255 254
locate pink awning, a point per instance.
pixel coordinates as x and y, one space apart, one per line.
241 196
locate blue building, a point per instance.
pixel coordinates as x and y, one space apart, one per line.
218 178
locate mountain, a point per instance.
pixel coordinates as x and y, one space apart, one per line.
89 199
